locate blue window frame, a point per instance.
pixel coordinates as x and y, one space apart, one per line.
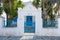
11 23
50 24
29 25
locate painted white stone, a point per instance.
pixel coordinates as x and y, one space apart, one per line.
26 38
1 21
29 10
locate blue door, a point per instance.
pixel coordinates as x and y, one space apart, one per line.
29 24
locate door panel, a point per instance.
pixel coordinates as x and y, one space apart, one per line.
29 24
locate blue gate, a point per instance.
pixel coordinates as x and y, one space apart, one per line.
29 25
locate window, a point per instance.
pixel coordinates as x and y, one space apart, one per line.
29 18
11 23
50 23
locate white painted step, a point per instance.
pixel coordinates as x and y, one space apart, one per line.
26 38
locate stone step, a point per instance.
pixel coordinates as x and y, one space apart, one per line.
27 38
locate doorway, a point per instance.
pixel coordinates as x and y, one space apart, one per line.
29 24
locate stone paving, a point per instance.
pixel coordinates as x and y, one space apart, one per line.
46 38
34 38
9 38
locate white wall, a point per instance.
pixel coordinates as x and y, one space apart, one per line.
8 31
48 31
19 30
5 31
40 31
1 21
22 14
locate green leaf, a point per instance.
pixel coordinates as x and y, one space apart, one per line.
55 9
1 10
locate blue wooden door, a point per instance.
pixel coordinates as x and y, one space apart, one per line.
29 25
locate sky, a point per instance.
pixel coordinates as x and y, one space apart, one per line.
26 0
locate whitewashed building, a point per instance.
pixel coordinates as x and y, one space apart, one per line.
29 19
30 22
29 12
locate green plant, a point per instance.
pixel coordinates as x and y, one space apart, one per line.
55 9
11 8
1 10
20 4
47 4
12 12
6 6
36 3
